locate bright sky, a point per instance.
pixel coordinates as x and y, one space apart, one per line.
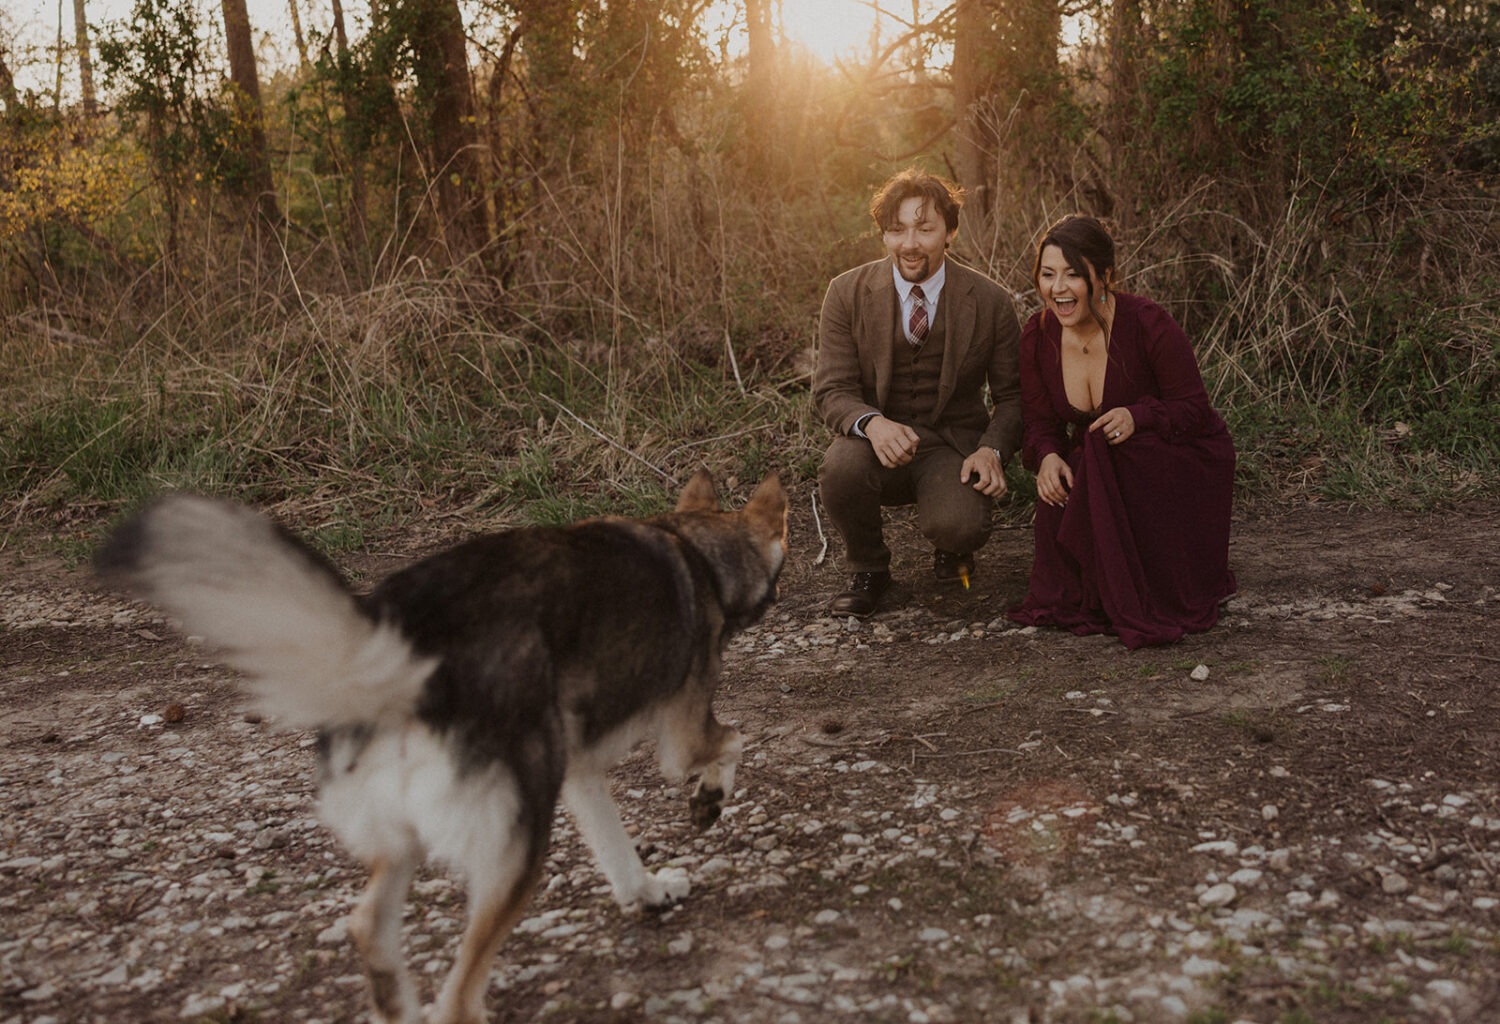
829 29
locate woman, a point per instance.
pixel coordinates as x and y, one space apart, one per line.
1134 468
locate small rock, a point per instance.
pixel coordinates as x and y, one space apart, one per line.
1220 895
1199 674
1227 847
1201 967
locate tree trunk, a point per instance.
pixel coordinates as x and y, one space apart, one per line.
973 136
8 86
297 35
354 153
548 33
1124 101
760 88
442 66
242 72
85 60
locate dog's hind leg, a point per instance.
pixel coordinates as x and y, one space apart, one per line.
498 895
375 926
586 794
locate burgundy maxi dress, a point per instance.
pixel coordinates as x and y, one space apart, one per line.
1141 549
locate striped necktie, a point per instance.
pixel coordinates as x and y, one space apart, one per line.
917 325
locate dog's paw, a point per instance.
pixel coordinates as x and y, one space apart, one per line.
656 892
704 807
675 885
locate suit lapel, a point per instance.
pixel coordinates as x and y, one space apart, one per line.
958 313
884 306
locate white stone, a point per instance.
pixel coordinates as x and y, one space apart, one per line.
1201 967
1227 847
1220 895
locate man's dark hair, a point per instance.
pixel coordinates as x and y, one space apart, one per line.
941 195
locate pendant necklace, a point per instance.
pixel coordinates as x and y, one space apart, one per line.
1105 325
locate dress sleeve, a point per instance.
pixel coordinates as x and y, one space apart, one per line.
1043 433
1180 409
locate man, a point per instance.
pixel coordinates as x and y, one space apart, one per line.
906 347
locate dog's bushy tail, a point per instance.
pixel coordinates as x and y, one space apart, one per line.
277 610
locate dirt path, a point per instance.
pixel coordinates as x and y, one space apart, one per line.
941 818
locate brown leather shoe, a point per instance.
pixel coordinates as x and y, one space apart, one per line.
948 565
863 595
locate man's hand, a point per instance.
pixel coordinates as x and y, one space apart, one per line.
895 443
984 471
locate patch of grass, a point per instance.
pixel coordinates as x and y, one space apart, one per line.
1384 944
1335 669
1209 1015
992 691
1457 942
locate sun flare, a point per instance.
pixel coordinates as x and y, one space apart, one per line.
832 29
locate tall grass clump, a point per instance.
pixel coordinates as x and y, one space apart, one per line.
635 291
1351 342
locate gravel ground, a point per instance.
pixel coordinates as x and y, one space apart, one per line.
1294 817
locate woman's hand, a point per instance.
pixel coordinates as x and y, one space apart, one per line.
1054 479
1117 425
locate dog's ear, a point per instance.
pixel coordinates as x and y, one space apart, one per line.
768 505
698 495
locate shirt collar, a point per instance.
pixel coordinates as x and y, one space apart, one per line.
931 287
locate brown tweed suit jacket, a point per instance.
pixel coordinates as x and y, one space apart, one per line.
857 338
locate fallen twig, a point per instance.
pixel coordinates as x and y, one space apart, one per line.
822 537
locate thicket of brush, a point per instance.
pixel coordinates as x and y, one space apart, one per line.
649 298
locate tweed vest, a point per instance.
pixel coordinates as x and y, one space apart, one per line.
916 373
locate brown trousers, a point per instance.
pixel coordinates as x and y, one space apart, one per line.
854 487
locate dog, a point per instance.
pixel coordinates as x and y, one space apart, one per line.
458 701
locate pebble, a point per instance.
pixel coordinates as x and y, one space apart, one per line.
1220 895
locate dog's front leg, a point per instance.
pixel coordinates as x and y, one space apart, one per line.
716 781
587 798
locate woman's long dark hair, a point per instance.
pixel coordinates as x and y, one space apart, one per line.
1087 246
